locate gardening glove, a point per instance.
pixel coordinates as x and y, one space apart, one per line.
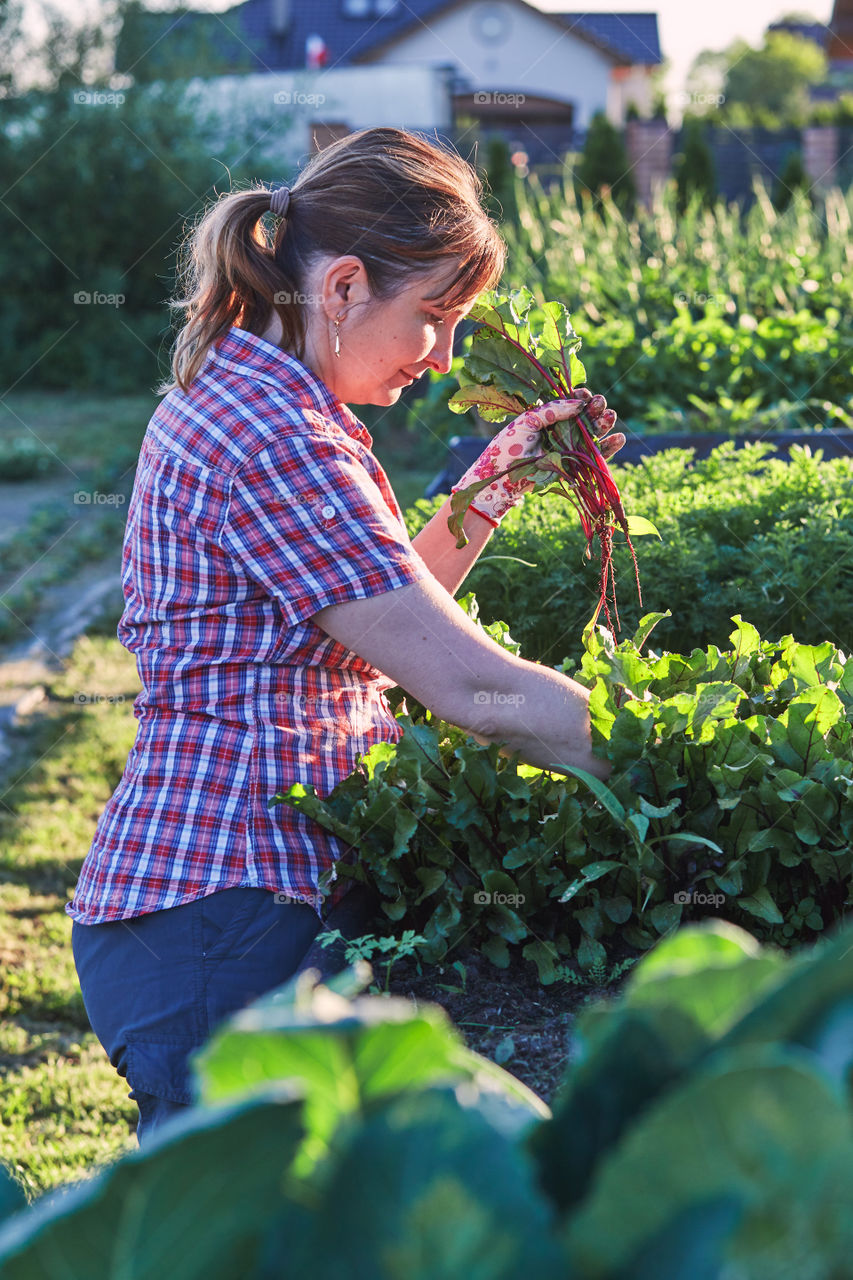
520 440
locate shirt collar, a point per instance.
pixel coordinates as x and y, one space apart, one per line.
256 358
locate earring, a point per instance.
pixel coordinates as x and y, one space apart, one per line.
337 335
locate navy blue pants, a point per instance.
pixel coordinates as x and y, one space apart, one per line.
156 986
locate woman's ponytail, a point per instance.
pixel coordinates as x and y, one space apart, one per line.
229 274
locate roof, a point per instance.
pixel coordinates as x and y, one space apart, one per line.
819 32
633 35
347 38
411 17
243 35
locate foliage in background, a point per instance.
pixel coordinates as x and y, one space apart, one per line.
792 178
694 166
776 77
88 239
499 175
717 303
740 533
731 792
603 168
754 83
703 1128
182 43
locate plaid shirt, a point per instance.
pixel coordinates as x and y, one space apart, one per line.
256 503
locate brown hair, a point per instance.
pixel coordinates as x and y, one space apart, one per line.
400 203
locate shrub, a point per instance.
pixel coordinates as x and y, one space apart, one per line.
87 238
767 538
793 176
732 784
604 164
23 458
694 167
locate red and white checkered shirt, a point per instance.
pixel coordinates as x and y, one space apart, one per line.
257 502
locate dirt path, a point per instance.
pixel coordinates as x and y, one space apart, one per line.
67 610
18 500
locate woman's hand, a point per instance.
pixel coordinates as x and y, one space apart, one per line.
521 439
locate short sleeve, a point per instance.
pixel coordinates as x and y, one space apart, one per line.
306 520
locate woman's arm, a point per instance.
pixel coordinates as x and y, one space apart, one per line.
436 546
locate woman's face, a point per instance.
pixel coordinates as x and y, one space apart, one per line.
385 344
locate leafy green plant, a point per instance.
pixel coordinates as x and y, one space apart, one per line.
519 358
368 946
731 789
747 301
740 532
710 1104
460 989
598 975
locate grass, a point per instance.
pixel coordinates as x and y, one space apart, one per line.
65 1110
78 430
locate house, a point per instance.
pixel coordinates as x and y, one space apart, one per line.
506 66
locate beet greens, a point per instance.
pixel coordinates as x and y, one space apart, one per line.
522 357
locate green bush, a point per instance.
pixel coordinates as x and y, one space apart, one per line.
770 539
694 167
88 237
23 458
793 176
604 164
732 784
715 303
702 1129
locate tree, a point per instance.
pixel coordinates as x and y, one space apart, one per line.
778 75
500 179
604 163
774 79
65 52
180 43
694 168
792 177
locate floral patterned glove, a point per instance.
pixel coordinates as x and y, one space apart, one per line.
519 441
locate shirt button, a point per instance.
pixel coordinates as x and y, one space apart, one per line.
327 512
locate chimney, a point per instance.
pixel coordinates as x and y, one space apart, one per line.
279 17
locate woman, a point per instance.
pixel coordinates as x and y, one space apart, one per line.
272 593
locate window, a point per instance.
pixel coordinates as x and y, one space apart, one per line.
369 8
